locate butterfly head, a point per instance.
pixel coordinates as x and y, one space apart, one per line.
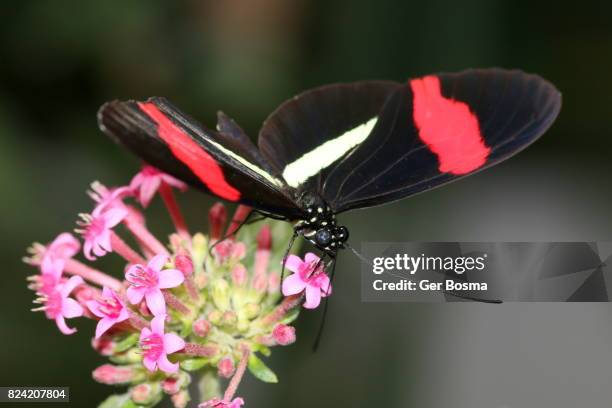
319 227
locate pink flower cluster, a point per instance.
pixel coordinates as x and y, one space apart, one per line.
176 287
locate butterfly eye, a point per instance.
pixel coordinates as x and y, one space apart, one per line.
342 233
323 237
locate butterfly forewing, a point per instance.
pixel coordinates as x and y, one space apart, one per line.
438 128
221 163
308 135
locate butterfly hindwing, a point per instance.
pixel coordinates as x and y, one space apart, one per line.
168 139
438 128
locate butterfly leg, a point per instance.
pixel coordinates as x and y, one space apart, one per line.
291 242
317 341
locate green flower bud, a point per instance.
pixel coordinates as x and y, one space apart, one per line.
220 294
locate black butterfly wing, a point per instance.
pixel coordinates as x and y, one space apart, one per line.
224 163
439 128
305 138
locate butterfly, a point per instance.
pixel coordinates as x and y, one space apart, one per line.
344 146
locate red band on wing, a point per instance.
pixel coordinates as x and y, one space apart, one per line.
191 154
447 127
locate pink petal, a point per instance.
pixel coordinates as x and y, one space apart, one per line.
123 315
148 189
293 284
171 181
144 333
157 324
158 262
103 325
135 294
94 307
170 278
293 263
114 216
313 297
133 270
61 324
107 292
311 258
53 267
155 302
149 363
71 308
173 343
64 246
165 364
136 181
98 248
87 247
70 284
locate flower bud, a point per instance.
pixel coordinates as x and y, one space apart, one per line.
225 367
251 310
201 327
173 385
180 399
229 318
110 374
103 345
217 217
146 393
220 294
241 213
239 275
264 238
284 334
260 282
215 317
273 283
184 264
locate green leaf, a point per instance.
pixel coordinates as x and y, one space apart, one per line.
260 370
116 401
194 364
265 351
290 316
126 343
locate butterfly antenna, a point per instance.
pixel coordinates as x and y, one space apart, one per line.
474 299
317 341
291 242
361 257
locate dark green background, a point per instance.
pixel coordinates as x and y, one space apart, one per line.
60 60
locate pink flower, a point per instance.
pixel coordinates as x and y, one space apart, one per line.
110 309
97 230
50 275
106 198
63 247
156 345
148 281
306 278
58 306
217 403
146 183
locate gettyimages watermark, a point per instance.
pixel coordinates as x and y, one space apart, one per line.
493 272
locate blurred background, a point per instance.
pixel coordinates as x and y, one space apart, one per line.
60 60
